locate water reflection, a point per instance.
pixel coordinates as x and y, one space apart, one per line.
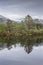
26 42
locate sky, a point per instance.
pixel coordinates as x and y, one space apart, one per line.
17 9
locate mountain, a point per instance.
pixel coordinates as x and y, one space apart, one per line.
4 19
28 18
38 21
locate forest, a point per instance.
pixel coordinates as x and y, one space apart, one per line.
25 27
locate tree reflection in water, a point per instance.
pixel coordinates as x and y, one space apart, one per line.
26 42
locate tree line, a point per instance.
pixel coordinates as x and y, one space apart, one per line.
25 27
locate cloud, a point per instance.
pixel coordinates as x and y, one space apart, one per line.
20 8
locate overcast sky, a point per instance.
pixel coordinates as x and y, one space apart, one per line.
19 8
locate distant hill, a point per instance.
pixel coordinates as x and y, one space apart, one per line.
28 18
38 21
4 19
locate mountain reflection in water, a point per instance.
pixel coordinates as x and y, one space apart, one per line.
26 42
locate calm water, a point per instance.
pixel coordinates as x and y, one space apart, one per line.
21 51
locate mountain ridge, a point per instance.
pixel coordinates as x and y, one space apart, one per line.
5 19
